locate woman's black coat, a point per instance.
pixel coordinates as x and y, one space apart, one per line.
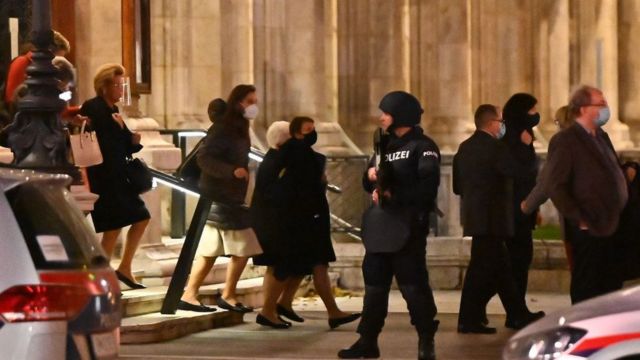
516 121
118 205
291 212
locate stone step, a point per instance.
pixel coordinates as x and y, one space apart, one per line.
217 275
160 261
249 292
156 327
149 300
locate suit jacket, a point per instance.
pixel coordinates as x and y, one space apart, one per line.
582 181
483 172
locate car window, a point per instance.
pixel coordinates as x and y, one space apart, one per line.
57 233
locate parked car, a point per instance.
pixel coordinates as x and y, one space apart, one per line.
59 299
604 328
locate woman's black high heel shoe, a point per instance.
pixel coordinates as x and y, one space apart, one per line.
130 283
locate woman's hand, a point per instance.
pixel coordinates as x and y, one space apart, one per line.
526 138
78 120
135 138
241 173
118 119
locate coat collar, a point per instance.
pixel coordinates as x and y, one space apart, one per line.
590 143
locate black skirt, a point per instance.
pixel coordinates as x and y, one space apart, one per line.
117 208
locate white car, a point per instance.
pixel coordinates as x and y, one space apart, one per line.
604 328
59 299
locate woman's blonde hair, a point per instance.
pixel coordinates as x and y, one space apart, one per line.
105 76
564 117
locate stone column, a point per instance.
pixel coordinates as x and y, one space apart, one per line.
597 56
186 62
291 69
629 65
236 42
96 46
373 59
552 73
441 68
502 56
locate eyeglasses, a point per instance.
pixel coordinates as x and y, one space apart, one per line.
596 105
499 120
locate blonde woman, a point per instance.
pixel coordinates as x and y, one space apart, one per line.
118 205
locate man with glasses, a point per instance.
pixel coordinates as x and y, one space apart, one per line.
587 185
483 172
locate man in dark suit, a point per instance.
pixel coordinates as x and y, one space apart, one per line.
587 185
483 172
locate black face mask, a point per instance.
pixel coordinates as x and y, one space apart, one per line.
311 138
533 120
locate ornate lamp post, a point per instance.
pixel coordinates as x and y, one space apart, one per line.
36 135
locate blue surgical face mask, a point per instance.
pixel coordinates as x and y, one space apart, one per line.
503 130
603 116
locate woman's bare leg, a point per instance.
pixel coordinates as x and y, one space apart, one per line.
272 290
109 239
134 235
199 271
289 292
234 271
322 284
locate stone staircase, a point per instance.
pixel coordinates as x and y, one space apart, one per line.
142 321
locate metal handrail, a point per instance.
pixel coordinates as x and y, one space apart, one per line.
184 186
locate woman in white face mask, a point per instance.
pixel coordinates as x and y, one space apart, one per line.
223 160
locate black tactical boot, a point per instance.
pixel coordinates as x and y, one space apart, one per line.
364 348
426 344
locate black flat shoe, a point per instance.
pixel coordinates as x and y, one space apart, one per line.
239 308
130 283
285 321
476 329
334 323
261 320
289 314
244 309
183 305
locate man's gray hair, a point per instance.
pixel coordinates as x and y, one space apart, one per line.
581 97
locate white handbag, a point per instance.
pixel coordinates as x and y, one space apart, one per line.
85 148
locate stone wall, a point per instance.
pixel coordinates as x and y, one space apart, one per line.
333 60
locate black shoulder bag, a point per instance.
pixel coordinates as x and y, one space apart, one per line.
138 175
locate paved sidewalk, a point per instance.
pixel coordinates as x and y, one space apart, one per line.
314 340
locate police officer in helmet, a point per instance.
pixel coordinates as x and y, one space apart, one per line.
403 178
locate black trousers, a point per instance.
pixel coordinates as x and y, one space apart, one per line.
489 273
593 265
520 248
410 269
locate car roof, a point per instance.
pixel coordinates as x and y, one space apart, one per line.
11 177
